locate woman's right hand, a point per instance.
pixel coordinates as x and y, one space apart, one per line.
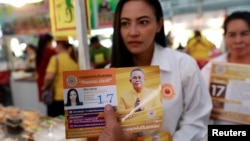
113 130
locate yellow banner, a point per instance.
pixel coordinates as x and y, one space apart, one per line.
63 18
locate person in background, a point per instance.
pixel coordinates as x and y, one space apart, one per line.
237 40
30 58
199 47
169 40
72 52
139 40
99 55
104 6
180 48
73 98
43 54
55 70
104 11
5 91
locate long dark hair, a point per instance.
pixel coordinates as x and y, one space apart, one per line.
238 15
42 44
66 45
121 57
68 97
72 54
31 46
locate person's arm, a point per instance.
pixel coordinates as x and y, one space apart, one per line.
48 79
50 73
211 45
197 104
113 130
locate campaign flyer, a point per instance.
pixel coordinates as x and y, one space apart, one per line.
134 92
230 91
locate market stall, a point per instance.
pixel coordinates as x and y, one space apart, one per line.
30 125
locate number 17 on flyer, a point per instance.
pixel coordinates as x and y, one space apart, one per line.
86 92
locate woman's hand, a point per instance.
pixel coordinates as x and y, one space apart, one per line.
113 130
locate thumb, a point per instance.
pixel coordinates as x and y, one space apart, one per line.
109 115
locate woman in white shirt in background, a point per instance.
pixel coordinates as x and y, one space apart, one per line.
237 41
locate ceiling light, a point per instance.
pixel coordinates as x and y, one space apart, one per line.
19 3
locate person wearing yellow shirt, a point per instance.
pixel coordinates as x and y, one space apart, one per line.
139 98
199 47
55 70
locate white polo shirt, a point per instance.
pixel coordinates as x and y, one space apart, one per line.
186 110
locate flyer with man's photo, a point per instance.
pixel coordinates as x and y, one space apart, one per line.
134 92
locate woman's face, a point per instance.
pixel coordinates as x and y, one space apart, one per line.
138 26
29 50
49 44
59 47
237 38
73 96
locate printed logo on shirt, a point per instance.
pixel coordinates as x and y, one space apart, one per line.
71 80
168 92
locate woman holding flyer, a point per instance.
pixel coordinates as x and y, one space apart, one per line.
139 40
237 40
